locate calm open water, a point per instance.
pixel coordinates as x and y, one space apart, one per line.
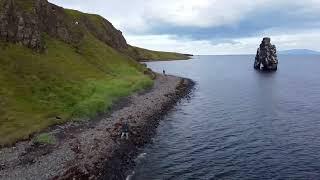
239 123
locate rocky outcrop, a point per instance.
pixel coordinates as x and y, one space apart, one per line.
27 26
17 26
266 58
105 32
53 21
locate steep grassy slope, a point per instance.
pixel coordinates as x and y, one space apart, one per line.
64 82
147 55
58 64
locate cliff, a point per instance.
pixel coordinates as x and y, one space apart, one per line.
27 21
61 68
58 65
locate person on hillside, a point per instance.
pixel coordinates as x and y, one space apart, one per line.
164 72
125 130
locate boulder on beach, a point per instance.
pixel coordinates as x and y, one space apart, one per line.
266 58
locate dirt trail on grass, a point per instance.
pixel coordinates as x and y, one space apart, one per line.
93 149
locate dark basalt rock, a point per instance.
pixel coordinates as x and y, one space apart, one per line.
26 27
266 58
17 26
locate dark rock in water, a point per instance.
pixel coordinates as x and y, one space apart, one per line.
266 58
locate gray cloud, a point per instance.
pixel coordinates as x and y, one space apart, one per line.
213 23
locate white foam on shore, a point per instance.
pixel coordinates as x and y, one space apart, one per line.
140 157
129 177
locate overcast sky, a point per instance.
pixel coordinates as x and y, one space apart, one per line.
210 26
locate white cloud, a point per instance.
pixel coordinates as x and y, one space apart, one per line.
183 45
201 13
136 15
307 40
136 19
128 16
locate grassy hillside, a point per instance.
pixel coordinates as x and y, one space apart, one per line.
148 55
64 82
69 66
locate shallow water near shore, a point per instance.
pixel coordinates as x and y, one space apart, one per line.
239 123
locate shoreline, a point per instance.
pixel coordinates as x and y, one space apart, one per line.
93 149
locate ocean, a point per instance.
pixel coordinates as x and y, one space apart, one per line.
239 123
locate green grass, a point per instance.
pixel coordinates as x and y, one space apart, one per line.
66 81
73 13
63 82
1 5
77 14
45 138
26 5
149 55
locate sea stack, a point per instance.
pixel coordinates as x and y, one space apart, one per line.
266 58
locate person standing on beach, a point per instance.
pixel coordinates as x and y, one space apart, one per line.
125 131
164 72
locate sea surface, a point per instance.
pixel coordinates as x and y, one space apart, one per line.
239 123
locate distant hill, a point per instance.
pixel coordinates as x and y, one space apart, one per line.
299 52
141 54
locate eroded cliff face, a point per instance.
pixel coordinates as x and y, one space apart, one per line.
27 21
104 30
18 26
